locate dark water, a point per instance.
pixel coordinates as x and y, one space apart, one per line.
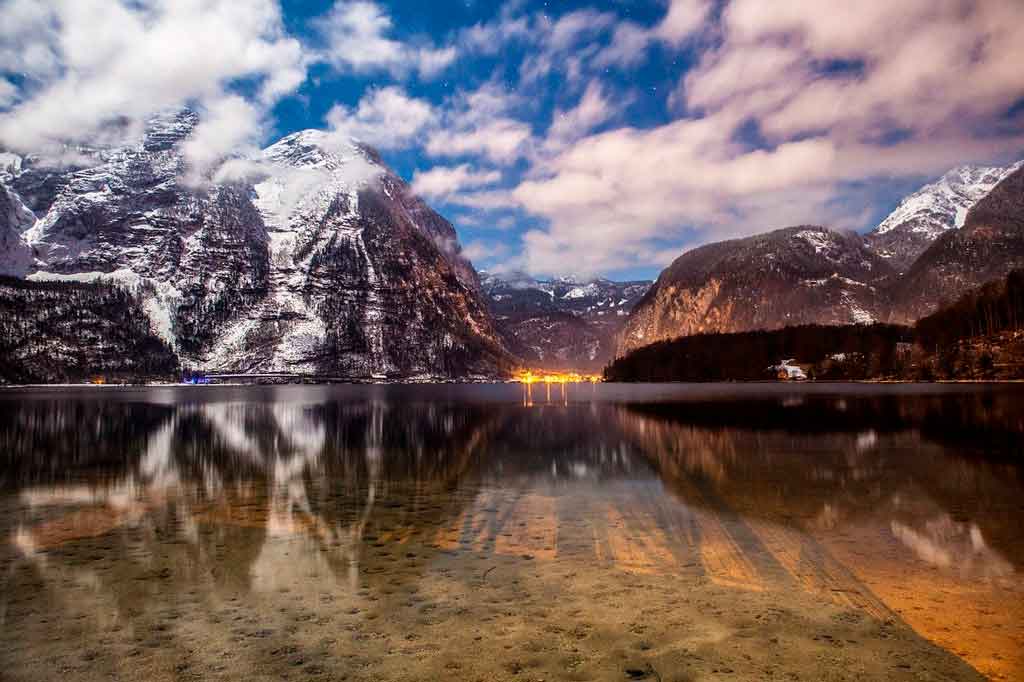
740 532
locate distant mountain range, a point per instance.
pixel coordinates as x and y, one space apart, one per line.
940 242
561 323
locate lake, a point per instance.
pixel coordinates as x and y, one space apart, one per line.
505 532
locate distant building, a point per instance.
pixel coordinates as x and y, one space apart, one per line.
787 371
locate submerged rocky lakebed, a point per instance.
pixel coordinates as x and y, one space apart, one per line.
502 532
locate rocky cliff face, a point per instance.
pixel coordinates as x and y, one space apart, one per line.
930 212
310 257
561 323
797 275
15 220
988 246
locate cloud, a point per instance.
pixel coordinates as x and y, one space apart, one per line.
593 109
386 118
485 200
564 44
630 40
228 125
491 37
477 251
478 123
89 62
500 140
442 182
784 118
683 19
357 39
864 72
28 38
488 220
8 93
628 46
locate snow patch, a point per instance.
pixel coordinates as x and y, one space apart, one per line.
819 240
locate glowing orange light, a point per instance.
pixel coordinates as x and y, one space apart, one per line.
528 377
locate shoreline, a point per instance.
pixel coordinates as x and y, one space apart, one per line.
470 382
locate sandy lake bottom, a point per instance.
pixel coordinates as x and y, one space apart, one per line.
480 533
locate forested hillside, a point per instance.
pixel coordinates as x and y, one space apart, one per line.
828 352
72 331
981 336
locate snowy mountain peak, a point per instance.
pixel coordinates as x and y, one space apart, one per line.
932 210
944 203
316 149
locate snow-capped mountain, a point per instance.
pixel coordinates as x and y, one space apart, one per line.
797 275
929 212
563 322
988 247
309 257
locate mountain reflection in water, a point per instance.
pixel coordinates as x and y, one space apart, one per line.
132 509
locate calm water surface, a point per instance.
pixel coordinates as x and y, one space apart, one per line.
609 532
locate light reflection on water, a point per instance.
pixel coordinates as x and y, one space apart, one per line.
491 532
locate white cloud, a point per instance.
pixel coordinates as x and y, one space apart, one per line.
28 38
916 66
489 38
479 123
477 251
628 46
432 62
386 118
357 39
683 19
91 61
564 44
8 93
228 125
592 110
485 199
501 140
630 40
442 182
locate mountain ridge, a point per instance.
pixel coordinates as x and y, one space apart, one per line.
764 282
797 275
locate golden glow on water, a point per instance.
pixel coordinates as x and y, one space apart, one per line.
578 541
